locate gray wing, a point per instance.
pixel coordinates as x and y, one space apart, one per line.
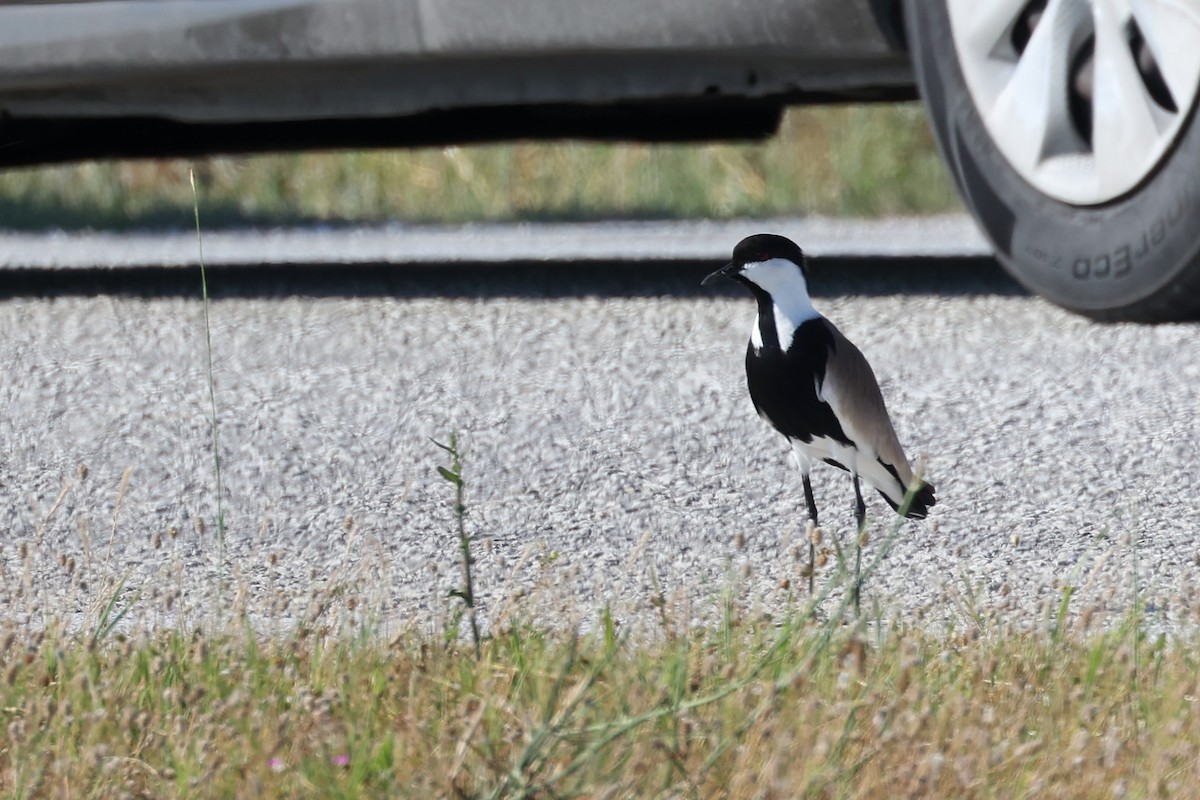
852 392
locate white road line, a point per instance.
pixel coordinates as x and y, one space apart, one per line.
949 235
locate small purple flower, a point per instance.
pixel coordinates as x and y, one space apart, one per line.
341 760
276 764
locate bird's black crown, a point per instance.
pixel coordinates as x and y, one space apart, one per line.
765 246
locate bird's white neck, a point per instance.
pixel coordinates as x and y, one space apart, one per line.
791 306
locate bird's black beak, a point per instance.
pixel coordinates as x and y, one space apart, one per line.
724 272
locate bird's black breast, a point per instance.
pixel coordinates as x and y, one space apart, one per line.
783 385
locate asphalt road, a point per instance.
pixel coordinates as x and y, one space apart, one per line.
612 457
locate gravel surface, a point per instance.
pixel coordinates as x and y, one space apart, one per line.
612 455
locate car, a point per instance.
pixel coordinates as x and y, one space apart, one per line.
1068 124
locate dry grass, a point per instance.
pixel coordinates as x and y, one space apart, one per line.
749 708
855 161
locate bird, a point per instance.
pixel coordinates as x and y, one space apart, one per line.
812 384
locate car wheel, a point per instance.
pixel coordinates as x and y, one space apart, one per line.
1070 127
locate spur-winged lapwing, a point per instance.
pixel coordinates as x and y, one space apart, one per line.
815 387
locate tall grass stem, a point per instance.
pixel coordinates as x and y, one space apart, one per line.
212 390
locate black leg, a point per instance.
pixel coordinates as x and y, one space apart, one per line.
860 516
812 515
860 506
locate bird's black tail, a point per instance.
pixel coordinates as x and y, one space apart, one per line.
921 501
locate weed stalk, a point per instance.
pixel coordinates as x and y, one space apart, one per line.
453 474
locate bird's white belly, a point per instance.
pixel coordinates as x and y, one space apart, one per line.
823 447
863 464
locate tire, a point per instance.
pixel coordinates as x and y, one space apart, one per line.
1121 242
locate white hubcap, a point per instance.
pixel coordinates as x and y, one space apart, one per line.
1083 97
